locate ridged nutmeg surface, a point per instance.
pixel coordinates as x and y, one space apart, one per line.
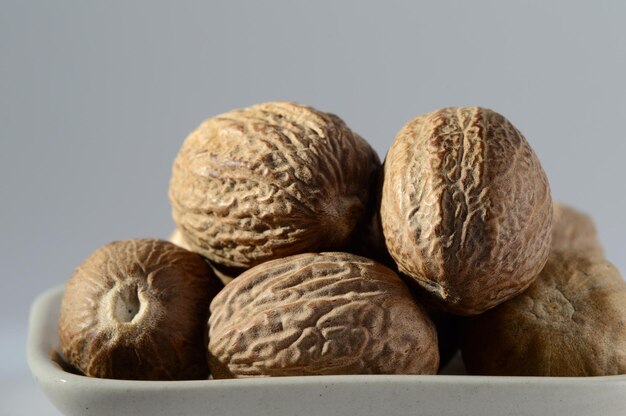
570 322
316 314
466 208
269 181
137 309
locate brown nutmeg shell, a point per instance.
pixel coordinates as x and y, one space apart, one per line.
269 181
466 208
570 322
319 314
137 309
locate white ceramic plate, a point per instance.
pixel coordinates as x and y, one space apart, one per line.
387 395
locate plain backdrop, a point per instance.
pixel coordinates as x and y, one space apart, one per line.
97 97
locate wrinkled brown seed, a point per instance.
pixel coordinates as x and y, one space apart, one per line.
137 309
271 180
570 322
315 314
466 208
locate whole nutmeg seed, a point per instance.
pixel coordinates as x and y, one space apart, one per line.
574 230
315 314
137 309
466 208
570 322
269 181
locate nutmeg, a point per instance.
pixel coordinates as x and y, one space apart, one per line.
315 314
137 309
466 208
570 322
268 181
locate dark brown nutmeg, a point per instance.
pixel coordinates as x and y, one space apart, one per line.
319 314
466 208
570 322
137 309
269 181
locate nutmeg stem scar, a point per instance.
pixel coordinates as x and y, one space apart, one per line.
126 304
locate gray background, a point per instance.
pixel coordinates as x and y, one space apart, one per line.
97 97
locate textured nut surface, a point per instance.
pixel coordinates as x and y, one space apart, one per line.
328 313
570 322
137 309
268 181
466 208
574 230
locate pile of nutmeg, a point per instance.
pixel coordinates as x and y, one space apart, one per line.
296 252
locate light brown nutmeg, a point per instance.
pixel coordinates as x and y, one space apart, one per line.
570 322
137 309
574 230
319 314
269 181
466 208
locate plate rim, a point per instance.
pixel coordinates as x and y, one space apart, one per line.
44 314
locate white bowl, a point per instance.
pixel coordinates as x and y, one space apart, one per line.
387 395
